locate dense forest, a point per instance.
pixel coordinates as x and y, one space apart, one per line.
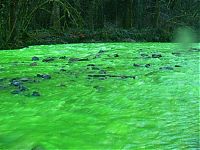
26 22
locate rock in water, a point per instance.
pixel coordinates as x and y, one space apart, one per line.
166 68
63 57
35 94
15 83
22 88
44 76
35 58
137 65
48 59
116 55
177 66
156 55
147 65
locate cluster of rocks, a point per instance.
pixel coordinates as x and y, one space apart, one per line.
95 71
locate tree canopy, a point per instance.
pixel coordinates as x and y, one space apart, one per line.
19 17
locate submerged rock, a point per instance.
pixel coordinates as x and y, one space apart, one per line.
77 59
89 65
15 83
195 49
156 55
166 68
177 66
176 53
44 76
35 58
63 57
22 88
24 79
48 59
35 94
137 65
116 55
147 65
63 70
144 55
101 51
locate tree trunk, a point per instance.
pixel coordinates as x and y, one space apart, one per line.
13 21
56 16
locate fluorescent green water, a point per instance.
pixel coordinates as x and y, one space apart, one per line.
157 110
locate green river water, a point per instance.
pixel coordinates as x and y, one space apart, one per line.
159 109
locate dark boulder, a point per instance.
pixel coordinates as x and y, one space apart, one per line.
63 57
101 51
44 76
137 65
48 59
177 66
116 55
24 79
194 49
89 65
147 65
35 94
22 88
144 55
156 55
15 83
63 70
35 58
166 68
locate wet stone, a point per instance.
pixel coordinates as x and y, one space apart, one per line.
91 65
116 55
24 79
177 66
144 55
137 65
15 83
195 49
48 59
101 51
176 53
63 70
44 76
147 65
35 58
166 68
63 57
22 88
156 55
35 94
